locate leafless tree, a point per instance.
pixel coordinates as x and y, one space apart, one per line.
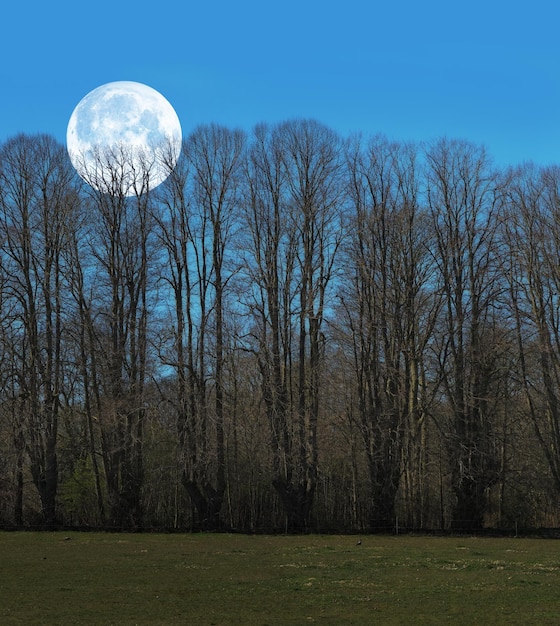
270 260
35 199
533 235
293 216
465 198
196 228
81 275
120 241
389 311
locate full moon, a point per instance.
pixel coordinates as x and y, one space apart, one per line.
124 138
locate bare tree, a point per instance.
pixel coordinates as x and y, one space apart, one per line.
82 287
465 198
196 227
36 202
120 241
389 313
293 216
270 260
533 235
12 406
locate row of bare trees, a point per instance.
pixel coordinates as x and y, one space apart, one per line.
295 332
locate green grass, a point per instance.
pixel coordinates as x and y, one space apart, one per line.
94 578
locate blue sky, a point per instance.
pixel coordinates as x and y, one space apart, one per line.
485 70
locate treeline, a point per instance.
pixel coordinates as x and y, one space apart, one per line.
296 331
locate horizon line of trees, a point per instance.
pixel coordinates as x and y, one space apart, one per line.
296 331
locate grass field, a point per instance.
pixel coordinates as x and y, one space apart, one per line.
94 578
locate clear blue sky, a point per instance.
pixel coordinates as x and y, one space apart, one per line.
484 70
